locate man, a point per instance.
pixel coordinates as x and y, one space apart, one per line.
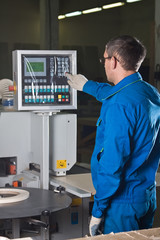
127 147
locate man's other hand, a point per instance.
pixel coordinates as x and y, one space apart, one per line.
94 225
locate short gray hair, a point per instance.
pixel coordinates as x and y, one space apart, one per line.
128 50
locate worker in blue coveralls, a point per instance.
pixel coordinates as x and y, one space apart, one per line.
127 146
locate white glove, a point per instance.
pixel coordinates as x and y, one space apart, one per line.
94 225
76 81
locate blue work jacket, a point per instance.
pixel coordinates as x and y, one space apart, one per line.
127 146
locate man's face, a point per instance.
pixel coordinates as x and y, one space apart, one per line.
107 66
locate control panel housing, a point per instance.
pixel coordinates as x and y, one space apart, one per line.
39 80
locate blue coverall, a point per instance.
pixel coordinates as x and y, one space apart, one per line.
126 153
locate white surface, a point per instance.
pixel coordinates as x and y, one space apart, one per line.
77 184
63 142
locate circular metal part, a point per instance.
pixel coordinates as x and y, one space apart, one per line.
10 195
39 200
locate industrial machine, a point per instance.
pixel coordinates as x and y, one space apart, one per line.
38 138
40 85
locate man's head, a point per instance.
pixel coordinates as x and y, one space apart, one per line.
128 50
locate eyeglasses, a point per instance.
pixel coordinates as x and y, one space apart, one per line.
102 60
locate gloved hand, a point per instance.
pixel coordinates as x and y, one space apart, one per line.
76 81
94 225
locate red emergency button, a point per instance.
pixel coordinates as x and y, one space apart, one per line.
11 88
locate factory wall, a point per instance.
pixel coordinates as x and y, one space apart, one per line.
19 29
89 33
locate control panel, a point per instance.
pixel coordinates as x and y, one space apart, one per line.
40 81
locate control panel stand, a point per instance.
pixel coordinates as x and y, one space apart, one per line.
44 165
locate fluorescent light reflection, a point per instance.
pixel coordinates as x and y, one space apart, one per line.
118 4
61 17
72 14
131 1
97 9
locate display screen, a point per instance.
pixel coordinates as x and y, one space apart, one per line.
35 67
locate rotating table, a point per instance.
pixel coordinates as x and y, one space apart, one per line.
39 203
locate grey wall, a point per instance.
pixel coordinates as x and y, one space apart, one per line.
19 28
21 21
89 33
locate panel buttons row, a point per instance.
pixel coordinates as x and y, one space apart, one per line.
30 80
46 88
39 99
45 98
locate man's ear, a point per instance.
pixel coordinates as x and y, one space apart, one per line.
113 62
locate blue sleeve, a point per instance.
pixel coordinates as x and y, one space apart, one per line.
96 89
116 151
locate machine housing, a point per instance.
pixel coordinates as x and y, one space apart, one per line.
39 80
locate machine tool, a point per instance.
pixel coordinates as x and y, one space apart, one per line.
38 136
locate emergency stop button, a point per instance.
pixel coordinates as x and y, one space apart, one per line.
12 88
